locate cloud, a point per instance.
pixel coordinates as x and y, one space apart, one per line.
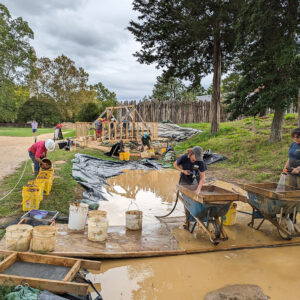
93 34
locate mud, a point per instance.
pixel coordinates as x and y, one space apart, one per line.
189 276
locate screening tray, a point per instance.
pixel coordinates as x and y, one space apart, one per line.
269 190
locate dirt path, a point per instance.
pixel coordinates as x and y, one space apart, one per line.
13 151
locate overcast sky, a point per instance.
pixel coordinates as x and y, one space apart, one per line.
93 34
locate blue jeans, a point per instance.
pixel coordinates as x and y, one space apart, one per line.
36 163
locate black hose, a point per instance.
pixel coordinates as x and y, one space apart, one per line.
177 196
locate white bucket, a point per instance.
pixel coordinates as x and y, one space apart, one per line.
97 226
43 238
18 237
77 216
134 219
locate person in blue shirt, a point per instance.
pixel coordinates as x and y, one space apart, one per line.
293 162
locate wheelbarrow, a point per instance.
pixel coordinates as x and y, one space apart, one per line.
276 204
207 208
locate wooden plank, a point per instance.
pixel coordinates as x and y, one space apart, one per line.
8 261
54 286
260 191
73 271
57 260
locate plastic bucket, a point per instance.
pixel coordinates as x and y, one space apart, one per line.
43 238
121 155
230 217
163 150
97 226
18 237
126 155
77 216
134 219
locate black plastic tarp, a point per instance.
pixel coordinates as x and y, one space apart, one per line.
92 172
209 157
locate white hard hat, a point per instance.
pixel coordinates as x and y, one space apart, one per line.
50 145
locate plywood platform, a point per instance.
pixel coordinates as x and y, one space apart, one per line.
165 238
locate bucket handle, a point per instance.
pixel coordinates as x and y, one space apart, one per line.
131 203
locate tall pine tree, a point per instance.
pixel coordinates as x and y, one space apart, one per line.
268 61
188 39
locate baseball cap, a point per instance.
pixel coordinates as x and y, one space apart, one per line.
198 151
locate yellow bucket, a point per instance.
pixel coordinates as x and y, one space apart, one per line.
121 155
126 155
163 150
151 151
230 217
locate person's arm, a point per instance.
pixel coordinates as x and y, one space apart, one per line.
201 182
177 167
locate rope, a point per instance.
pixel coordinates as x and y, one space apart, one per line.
17 182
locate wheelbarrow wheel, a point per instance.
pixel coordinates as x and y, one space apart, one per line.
287 224
214 229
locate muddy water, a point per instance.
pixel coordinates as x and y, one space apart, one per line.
152 192
190 276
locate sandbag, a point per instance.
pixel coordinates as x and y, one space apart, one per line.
23 293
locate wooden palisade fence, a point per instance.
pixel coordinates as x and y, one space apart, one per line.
175 111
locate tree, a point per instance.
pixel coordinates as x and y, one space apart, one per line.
189 39
268 60
230 83
168 89
103 96
42 109
16 58
88 112
16 53
60 79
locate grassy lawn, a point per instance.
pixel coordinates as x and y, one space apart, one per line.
23 132
245 143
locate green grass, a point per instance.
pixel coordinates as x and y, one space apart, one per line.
63 189
245 143
26 132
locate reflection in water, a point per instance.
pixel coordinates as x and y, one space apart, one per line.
152 192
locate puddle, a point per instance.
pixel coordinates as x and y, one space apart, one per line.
153 192
189 276
193 276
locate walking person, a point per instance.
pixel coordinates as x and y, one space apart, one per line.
38 151
34 126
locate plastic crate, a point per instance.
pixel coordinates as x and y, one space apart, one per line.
31 197
47 180
40 184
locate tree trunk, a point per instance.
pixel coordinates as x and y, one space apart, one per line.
299 108
276 128
215 101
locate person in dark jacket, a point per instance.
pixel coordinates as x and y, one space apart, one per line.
146 141
292 166
192 172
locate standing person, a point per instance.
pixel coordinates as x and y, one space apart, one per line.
292 166
34 126
146 141
38 151
98 127
58 133
192 172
